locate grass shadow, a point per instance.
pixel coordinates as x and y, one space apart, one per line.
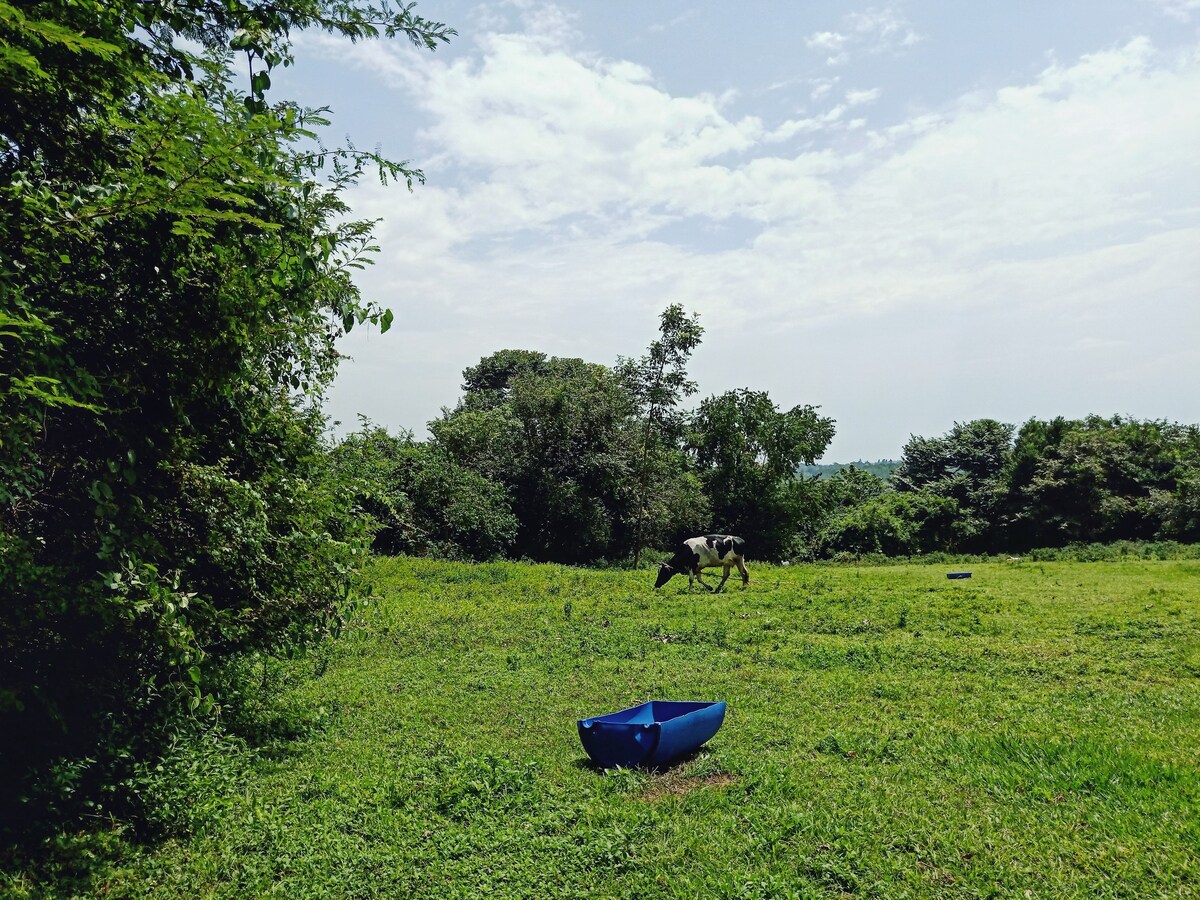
674 767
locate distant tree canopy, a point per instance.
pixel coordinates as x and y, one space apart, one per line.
881 468
747 451
592 462
562 458
589 466
175 262
1101 479
980 488
562 438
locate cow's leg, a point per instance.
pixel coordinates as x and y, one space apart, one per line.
700 579
723 580
745 575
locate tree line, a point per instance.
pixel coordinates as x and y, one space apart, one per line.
559 460
989 487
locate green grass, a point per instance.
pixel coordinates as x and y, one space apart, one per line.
1031 732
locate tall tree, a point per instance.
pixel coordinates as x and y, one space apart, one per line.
966 465
421 500
562 437
175 262
554 433
657 382
747 452
1101 479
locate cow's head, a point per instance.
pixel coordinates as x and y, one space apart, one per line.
664 575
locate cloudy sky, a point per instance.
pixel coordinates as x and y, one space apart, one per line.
908 213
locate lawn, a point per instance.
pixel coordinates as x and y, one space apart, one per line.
1033 731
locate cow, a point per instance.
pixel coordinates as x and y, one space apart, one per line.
705 552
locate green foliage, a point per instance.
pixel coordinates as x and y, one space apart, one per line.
965 466
421 501
848 487
488 384
1180 510
894 524
562 439
658 381
656 384
1103 479
1060 482
370 462
175 262
550 431
881 468
890 733
746 451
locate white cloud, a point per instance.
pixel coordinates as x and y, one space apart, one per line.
858 98
563 136
822 86
873 30
792 127
546 23
590 150
883 29
1178 9
827 41
571 193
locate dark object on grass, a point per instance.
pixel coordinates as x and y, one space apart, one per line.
651 733
958 574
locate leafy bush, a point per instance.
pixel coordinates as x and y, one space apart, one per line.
174 272
892 524
421 501
561 438
746 451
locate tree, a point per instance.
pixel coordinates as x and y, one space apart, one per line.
967 465
175 269
488 384
554 433
1181 514
421 501
657 382
892 523
1101 479
747 451
562 437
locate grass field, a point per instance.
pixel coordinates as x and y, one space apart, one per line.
1033 731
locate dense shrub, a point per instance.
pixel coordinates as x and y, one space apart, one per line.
1059 483
563 439
174 271
747 451
421 501
892 524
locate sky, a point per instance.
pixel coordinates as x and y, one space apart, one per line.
909 214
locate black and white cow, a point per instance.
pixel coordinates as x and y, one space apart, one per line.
705 552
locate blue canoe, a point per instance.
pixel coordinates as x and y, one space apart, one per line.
650 733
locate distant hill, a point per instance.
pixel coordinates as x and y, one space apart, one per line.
883 468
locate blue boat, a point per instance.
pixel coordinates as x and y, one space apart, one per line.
650 733
958 574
